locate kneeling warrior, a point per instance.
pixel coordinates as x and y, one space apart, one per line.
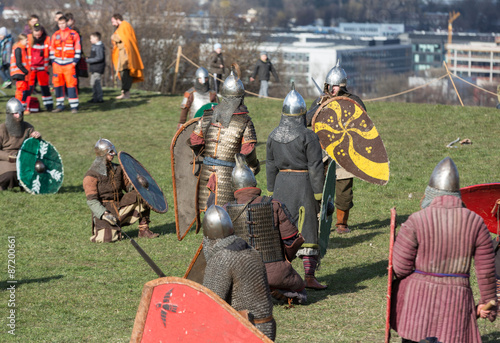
265 224
104 184
235 271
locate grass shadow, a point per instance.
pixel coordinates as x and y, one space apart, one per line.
4 284
346 241
71 189
491 337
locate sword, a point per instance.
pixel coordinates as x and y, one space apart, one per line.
146 257
318 87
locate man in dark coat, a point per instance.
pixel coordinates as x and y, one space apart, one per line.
216 63
13 133
295 174
263 69
432 259
235 271
104 184
336 86
265 224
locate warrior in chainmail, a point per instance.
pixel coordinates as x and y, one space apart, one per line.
265 224
12 135
235 271
196 96
295 176
104 184
432 260
219 134
336 86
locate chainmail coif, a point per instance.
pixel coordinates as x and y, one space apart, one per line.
236 273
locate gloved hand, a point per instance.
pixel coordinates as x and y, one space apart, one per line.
109 218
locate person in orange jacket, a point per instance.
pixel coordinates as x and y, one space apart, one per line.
38 57
65 52
19 68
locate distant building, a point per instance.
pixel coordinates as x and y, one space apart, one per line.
371 29
477 60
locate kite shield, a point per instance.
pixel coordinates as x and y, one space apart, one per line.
39 167
484 199
349 136
203 108
173 309
143 182
185 170
327 209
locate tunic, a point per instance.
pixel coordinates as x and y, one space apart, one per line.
10 145
295 174
442 238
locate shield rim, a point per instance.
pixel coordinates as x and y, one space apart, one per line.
174 183
125 171
26 188
337 98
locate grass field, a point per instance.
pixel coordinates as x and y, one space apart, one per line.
70 290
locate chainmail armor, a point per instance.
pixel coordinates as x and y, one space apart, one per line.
236 273
256 226
99 165
223 112
224 185
223 142
14 127
431 193
289 129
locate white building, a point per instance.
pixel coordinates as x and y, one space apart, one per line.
477 60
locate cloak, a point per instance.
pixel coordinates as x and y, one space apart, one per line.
127 36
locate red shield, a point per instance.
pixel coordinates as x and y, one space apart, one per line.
482 199
178 310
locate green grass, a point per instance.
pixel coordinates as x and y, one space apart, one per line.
71 290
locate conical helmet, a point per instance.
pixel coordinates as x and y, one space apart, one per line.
233 87
217 223
14 106
336 76
104 147
294 104
445 176
242 175
201 73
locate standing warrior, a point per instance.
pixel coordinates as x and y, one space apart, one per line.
104 184
196 96
432 291
335 86
223 132
235 271
12 135
295 176
264 223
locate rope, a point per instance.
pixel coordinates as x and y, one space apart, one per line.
367 100
407 91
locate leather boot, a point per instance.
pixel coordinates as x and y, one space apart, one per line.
144 229
342 217
311 282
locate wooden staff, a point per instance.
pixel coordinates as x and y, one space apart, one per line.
390 275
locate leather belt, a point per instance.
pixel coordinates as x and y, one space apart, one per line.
294 170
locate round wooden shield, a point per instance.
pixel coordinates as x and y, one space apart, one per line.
39 167
143 182
325 220
203 108
349 136
482 199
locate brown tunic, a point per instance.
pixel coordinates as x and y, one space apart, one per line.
441 239
9 146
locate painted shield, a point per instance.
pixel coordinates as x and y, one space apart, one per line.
39 167
143 182
185 170
482 199
327 210
203 108
349 136
173 309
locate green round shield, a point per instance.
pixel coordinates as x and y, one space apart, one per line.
325 220
39 167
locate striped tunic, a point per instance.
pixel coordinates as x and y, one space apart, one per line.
441 239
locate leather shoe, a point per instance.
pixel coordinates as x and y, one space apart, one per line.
341 229
311 282
146 233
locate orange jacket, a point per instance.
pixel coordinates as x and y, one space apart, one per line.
65 47
14 68
38 54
